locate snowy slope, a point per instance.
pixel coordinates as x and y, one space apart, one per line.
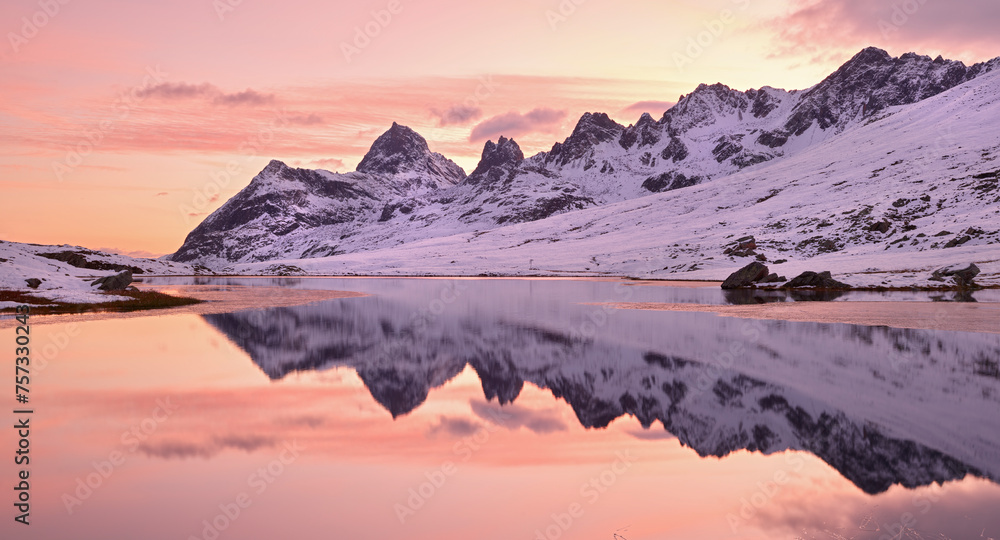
62 281
902 141
930 170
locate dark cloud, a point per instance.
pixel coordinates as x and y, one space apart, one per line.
246 97
306 119
457 115
655 108
247 443
186 450
305 420
514 124
456 427
832 30
177 450
182 91
515 417
652 434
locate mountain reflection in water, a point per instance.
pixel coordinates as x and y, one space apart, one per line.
883 406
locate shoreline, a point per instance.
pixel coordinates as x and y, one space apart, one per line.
982 318
623 278
214 299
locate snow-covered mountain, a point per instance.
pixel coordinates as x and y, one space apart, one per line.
882 405
810 172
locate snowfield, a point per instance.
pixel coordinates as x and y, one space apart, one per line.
63 282
929 170
882 173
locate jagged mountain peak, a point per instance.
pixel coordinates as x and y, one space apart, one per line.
870 55
597 126
403 150
592 129
504 152
405 192
394 151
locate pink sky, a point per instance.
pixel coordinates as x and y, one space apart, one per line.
157 97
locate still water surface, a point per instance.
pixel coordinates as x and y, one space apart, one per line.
509 409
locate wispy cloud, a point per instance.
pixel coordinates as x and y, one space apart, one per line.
186 450
457 115
456 427
513 124
207 91
515 417
311 119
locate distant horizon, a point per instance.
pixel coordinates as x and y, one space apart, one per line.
107 106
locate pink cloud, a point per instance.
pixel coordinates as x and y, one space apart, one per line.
828 31
182 91
514 124
457 115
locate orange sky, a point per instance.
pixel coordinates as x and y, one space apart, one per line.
115 115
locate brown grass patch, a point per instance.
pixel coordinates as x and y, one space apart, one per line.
138 300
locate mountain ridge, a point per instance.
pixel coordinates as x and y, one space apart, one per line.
405 193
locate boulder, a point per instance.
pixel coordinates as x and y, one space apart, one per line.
881 226
955 242
744 247
746 276
117 282
962 275
33 282
821 280
774 278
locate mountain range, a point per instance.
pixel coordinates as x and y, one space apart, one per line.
886 156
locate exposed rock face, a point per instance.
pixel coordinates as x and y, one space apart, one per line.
669 181
591 130
33 283
774 278
117 282
401 150
744 247
821 280
78 259
646 132
746 276
875 80
498 160
962 275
